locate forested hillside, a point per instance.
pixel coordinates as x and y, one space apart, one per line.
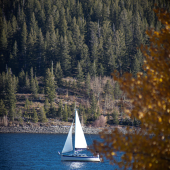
102 35
54 53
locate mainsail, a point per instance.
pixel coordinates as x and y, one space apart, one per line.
68 144
80 141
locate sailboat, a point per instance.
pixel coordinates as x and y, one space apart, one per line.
80 144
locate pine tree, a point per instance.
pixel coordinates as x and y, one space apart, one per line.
87 84
43 117
93 106
65 57
117 91
69 111
58 74
50 85
46 106
20 116
11 94
60 109
115 117
27 82
65 113
108 89
27 104
33 83
63 23
3 110
24 43
93 69
100 70
41 49
35 116
4 42
80 76
85 60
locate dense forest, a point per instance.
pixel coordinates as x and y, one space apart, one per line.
103 34
83 40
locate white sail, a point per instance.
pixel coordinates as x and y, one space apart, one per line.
68 146
80 141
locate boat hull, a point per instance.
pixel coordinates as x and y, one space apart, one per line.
80 158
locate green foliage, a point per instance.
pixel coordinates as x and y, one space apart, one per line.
43 117
58 74
35 116
69 111
117 91
87 84
108 88
60 109
93 106
106 33
33 83
115 117
46 105
20 116
80 76
3 110
27 104
9 92
65 113
50 85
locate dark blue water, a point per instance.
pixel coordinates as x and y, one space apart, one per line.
40 151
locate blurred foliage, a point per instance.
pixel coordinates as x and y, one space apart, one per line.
149 146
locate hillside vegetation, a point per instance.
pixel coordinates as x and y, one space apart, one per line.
56 53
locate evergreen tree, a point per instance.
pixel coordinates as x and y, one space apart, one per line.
21 79
41 49
27 104
65 113
60 109
115 117
93 69
24 43
80 76
3 111
58 74
93 106
35 117
87 84
27 82
69 111
50 85
10 96
46 106
117 91
108 88
33 83
85 60
65 57
63 23
20 116
100 70
43 117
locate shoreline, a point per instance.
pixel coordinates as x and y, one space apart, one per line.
46 130
53 129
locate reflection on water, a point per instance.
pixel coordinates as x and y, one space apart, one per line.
75 165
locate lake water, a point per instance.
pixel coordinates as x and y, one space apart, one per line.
40 152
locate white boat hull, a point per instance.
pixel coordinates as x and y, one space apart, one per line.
80 158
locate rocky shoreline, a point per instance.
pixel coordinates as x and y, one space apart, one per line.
44 129
52 129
